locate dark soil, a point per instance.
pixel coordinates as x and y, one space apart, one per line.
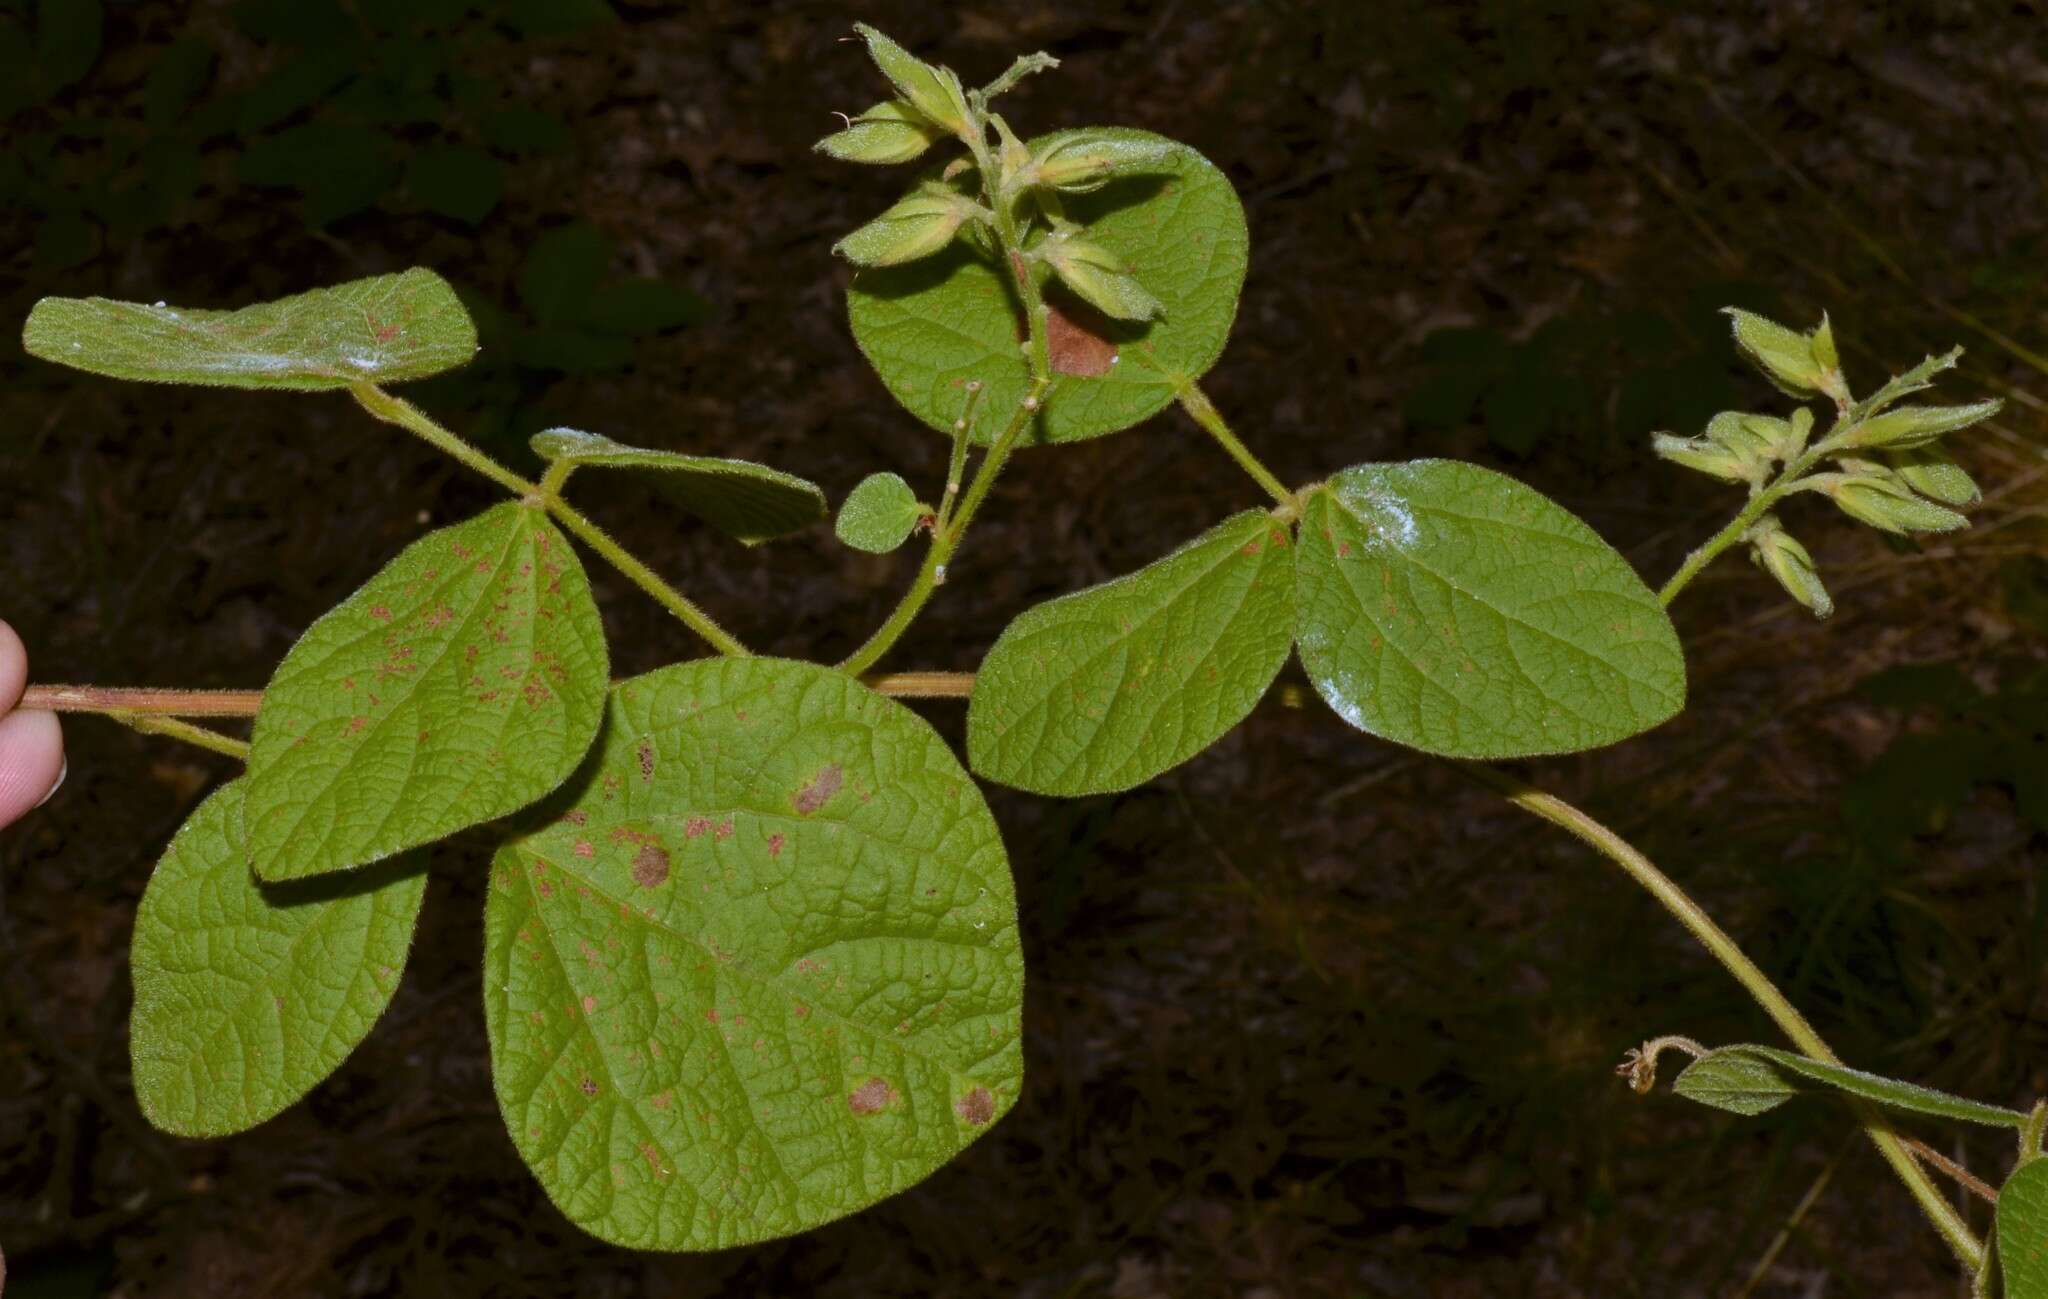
1311 1016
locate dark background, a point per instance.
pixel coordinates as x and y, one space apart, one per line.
1308 1017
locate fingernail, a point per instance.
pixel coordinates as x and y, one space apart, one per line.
62 772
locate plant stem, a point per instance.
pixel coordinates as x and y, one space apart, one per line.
945 540
556 478
646 579
128 703
1197 404
1639 868
151 724
1760 502
142 699
394 410
952 526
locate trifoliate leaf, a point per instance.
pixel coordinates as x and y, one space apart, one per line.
878 515
1452 609
385 329
462 682
748 502
246 994
762 971
929 327
1106 688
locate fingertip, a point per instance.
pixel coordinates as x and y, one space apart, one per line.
31 762
13 666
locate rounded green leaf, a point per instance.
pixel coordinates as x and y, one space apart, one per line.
1734 1079
878 514
462 682
246 994
1452 609
762 971
748 502
1105 688
2023 1232
385 329
930 327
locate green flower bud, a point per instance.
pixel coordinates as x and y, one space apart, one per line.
922 223
1708 457
1916 426
1086 160
891 131
932 91
1789 359
1934 474
1887 504
1751 437
1101 278
1778 553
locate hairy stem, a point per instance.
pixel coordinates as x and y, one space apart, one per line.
945 540
394 410
1759 503
1198 406
1701 926
128 703
153 724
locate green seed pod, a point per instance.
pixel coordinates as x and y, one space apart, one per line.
920 224
1908 427
1785 356
932 91
1887 504
1708 457
1101 278
1934 474
892 131
1778 553
1087 160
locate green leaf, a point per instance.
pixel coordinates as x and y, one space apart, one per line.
462 682
1918 379
385 329
933 325
878 515
921 223
455 182
749 502
1745 1066
1452 609
247 995
762 971
2023 1232
1736 1080
1106 688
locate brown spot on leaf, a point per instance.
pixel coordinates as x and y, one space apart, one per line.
774 845
977 1106
380 613
653 1158
589 1086
695 826
1075 346
584 848
820 791
589 1004
645 751
871 1097
662 1100
650 865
